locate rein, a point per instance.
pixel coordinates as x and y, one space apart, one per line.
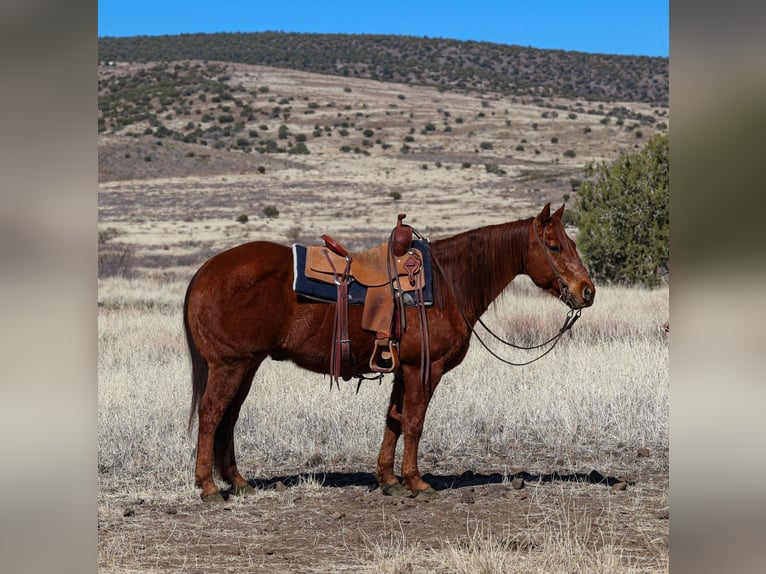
573 314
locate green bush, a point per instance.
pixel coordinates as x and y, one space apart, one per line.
299 148
623 216
270 211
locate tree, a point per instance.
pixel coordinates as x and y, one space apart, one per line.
624 218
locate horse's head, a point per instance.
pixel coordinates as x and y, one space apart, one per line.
553 262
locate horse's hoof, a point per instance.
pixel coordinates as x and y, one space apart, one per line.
428 493
215 498
243 490
395 489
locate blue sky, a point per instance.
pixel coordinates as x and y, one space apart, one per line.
608 27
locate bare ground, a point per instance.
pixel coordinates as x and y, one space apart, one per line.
321 521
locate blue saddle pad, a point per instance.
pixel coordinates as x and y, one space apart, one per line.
327 292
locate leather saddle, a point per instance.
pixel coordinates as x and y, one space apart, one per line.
388 272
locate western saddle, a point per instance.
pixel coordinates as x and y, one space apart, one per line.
387 271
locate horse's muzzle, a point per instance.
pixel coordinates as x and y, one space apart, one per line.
587 294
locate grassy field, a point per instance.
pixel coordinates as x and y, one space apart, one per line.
591 404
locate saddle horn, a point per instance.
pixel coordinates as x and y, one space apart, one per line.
401 237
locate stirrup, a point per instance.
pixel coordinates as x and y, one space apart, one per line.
384 357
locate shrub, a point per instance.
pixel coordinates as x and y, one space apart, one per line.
624 218
570 153
395 195
299 148
270 211
494 168
114 259
243 218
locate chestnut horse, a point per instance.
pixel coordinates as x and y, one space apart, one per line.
240 308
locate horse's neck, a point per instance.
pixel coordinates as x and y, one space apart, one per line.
479 264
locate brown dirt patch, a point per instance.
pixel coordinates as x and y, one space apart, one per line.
340 521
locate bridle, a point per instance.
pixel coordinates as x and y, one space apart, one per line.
566 296
575 310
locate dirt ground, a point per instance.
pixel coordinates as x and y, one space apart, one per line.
319 521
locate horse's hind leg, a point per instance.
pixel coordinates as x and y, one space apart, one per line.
223 386
223 444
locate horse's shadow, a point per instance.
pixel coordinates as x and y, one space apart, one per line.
437 481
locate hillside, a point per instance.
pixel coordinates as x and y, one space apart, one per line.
441 63
186 149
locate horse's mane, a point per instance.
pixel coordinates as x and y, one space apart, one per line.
478 264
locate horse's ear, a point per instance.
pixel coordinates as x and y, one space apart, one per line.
559 212
545 214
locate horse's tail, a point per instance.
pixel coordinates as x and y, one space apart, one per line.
198 362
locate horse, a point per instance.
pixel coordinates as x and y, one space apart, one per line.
240 308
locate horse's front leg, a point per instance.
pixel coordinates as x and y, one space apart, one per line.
417 396
387 480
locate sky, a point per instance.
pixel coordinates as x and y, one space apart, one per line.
639 28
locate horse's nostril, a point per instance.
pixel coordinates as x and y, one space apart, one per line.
587 293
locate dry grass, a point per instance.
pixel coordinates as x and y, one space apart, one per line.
604 387
591 403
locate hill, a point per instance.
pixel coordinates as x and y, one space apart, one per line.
187 148
441 63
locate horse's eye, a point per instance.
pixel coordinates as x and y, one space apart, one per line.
554 248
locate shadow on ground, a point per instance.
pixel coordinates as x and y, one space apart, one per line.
437 481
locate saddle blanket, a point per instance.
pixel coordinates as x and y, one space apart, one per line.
357 292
